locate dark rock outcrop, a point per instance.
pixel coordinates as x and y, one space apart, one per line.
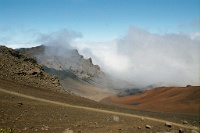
70 62
25 70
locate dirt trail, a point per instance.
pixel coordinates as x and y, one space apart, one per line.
96 110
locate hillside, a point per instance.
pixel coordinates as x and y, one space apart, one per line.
163 99
21 69
29 109
76 74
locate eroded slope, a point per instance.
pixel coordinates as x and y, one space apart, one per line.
163 99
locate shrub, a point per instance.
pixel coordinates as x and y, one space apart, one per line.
9 130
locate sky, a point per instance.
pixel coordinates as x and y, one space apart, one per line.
133 39
99 20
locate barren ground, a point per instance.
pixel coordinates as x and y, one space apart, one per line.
163 99
28 109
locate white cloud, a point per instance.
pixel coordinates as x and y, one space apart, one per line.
19 38
20 45
140 57
195 36
62 38
144 58
104 54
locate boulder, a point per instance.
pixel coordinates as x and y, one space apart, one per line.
168 124
185 122
148 126
181 130
115 118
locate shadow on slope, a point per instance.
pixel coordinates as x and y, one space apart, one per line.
81 87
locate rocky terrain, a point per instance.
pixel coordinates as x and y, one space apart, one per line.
20 69
30 109
32 100
76 74
60 59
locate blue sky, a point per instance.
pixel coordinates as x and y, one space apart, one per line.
99 20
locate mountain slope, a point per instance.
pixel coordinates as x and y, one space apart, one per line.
76 118
75 73
67 112
15 66
163 99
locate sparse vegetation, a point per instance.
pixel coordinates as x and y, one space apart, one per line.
16 54
30 60
9 130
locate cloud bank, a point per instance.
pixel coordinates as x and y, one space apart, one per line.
145 58
62 38
139 57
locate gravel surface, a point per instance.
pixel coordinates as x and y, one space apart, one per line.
27 115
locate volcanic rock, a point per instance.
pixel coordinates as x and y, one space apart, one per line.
148 126
168 124
17 67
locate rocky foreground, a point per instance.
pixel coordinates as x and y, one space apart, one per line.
30 113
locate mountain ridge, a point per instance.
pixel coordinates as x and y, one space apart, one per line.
76 74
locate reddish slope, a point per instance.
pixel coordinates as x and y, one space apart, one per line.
164 99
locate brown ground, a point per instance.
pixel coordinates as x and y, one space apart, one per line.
164 99
29 112
86 90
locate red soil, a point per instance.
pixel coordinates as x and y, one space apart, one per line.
164 99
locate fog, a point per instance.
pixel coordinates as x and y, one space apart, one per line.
140 57
62 38
145 58
58 42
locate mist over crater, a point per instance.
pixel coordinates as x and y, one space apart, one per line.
144 58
